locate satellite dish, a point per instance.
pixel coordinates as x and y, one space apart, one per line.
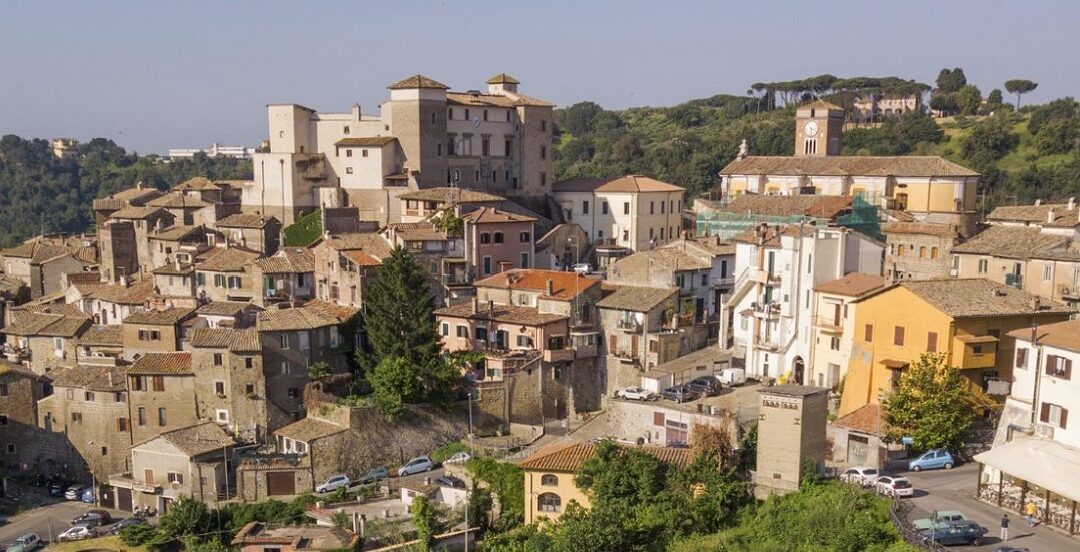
476 122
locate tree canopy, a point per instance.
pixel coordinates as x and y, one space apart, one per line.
1019 87
932 404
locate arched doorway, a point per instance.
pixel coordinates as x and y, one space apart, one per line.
799 370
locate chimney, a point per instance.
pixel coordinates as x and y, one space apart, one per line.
550 287
1038 202
1050 216
138 185
1072 203
475 304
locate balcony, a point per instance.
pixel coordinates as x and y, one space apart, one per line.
1069 293
765 277
726 281
828 324
769 342
979 351
558 355
766 311
629 325
456 279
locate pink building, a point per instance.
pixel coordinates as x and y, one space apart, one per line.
497 240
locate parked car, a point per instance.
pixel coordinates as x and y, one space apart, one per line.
732 377
458 458
582 268
862 476
957 532
636 394
416 465
25 543
57 488
125 523
373 475
88 495
932 460
333 483
93 518
78 532
892 485
706 385
450 481
74 492
680 394
944 517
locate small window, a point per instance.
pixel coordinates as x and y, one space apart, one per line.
498 237
1021 358
626 208
348 170
159 383
104 451
363 153
283 339
463 331
445 329
584 207
348 152
898 336
161 417
219 387
525 237
345 130
3 419
485 237
222 416
249 362
931 342
834 343
293 392
11 448
983 266
549 502
177 478
626 235
543 152
249 389
549 480
142 416
3 389
868 335
218 359
604 208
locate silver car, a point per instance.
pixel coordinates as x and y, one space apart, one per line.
416 465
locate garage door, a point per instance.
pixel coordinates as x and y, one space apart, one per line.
123 499
280 483
107 498
858 449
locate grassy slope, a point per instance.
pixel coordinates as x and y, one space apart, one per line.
101 543
1023 157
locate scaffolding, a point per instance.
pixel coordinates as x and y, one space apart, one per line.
864 217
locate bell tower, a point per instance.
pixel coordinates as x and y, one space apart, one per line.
818 128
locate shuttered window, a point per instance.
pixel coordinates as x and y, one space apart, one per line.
1021 358
869 336
1058 367
931 342
898 336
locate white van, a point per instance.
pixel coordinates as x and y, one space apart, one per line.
732 377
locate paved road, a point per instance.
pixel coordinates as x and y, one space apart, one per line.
955 489
396 482
47 521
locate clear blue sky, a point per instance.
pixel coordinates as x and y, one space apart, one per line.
155 75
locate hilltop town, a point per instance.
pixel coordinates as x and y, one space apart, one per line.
405 330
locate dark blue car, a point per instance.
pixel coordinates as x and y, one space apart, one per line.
958 532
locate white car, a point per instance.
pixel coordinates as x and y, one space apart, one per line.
582 268
861 475
458 458
891 485
78 532
416 465
636 394
333 483
26 543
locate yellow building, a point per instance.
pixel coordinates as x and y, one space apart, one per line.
967 319
549 476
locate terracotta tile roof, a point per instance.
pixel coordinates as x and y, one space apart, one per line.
228 259
223 308
637 299
509 314
446 194
370 242
33 324
334 310
417 81
97 334
641 263
629 183
503 78
772 234
417 231
365 141
1064 335
134 294
566 285
241 341
136 213
309 429
568 457
866 419
298 318
175 232
300 538
896 215
486 215
108 379
817 206
921 228
200 183
162 364
360 258
706 246
135 193
47 304
1038 215
178 200
854 284
244 220
8 367
197 439
976 297
481 99
821 104
155 317
185 269
847 165
1017 242
288 260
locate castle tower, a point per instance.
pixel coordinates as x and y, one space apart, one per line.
502 83
418 121
818 128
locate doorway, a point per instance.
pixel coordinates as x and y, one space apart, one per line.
800 370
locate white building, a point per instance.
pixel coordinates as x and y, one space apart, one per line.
425 136
771 306
215 150
622 215
833 325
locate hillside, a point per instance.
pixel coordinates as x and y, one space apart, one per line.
40 193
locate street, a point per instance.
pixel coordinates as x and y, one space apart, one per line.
47 521
954 490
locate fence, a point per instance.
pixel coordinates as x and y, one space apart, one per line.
898 513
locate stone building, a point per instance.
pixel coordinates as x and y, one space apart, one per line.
640 335
230 383
226 275
496 241
287 275
136 196
344 263
24 447
111 303
154 330
125 249
41 340
42 263
791 437
89 408
919 250
180 243
161 394
253 231
100 341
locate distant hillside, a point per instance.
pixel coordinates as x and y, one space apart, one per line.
40 193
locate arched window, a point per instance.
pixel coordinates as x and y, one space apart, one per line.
933 253
548 502
922 252
900 251
549 480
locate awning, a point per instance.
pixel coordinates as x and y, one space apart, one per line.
1048 464
977 338
895 364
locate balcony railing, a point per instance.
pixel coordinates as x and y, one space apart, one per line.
766 310
1069 292
724 281
629 325
829 324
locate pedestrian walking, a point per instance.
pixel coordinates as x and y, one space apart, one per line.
1029 513
1004 527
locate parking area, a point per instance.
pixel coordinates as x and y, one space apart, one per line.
731 399
47 521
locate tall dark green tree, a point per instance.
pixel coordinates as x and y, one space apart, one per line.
950 80
399 314
1020 87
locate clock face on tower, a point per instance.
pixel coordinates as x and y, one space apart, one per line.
810 128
